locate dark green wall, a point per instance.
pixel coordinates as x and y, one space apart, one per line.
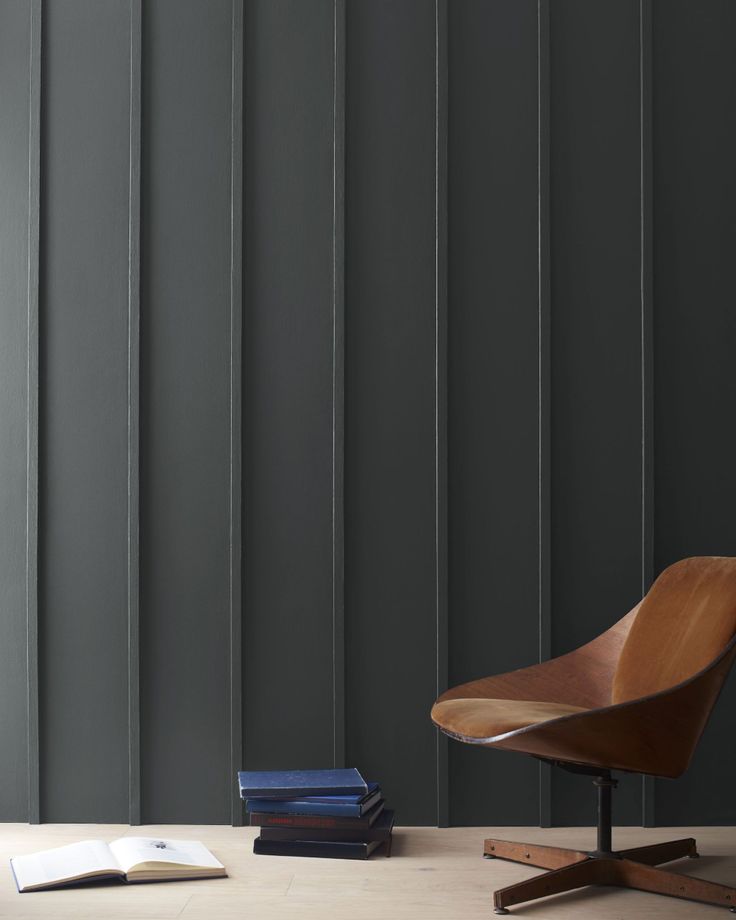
350 349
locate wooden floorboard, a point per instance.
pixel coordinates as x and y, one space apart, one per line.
434 874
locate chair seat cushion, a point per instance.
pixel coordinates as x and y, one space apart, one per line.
484 718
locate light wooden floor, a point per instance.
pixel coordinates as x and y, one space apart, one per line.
433 875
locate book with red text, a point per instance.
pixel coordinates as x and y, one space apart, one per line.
268 819
380 830
335 806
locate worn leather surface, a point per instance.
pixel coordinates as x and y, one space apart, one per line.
483 718
617 716
685 621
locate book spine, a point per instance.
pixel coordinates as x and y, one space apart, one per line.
330 809
309 848
298 792
261 819
333 834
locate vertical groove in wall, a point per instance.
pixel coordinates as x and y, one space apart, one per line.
236 355
544 387
34 176
338 383
441 510
134 240
647 379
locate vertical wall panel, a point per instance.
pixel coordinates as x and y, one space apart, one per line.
235 560
83 411
185 411
647 337
390 539
290 290
441 394
596 340
493 381
32 376
15 252
694 337
134 237
544 373
338 383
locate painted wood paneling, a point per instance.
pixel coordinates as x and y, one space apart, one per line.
235 510
647 331
441 226
493 326
596 489
694 134
186 441
291 385
83 506
378 346
390 538
134 284
18 305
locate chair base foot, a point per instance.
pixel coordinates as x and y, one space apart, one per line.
633 868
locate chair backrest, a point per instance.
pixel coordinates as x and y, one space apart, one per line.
685 621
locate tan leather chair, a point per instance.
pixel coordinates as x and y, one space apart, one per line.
636 699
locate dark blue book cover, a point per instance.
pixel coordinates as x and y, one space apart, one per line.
279 784
328 849
345 806
331 799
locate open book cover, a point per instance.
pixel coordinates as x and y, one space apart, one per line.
130 859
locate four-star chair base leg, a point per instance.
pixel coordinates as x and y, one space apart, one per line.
632 868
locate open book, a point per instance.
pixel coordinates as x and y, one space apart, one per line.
131 859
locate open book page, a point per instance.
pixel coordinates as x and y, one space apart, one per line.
161 856
88 859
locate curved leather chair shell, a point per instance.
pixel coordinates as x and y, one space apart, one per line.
686 620
636 698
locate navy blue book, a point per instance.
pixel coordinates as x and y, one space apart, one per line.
338 806
328 849
279 784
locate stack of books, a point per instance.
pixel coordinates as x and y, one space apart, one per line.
329 813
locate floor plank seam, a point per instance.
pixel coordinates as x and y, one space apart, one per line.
185 905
